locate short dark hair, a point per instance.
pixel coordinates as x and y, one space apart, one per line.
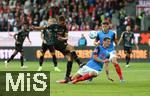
107 38
61 18
105 23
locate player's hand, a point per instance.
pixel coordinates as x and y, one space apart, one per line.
44 41
118 55
17 42
106 61
59 38
97 43
32 28
110 79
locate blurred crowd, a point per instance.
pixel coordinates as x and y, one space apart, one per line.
80 15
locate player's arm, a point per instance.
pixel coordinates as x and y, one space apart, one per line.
100 60
42 37
106 66
15 36
38 28
29 39
96 41
121 38
95 56
64 38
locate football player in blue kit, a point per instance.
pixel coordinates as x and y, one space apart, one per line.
99 58
106 32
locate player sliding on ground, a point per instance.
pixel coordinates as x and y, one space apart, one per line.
19 38
99 58
113 58
127 38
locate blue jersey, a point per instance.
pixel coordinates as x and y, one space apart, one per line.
101 35
102 54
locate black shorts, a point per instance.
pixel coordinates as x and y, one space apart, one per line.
46 47
18 47
62 48
127 49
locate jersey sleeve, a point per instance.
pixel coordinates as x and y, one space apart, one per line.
96 51
97 37
114 35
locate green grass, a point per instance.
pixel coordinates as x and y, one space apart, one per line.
137 80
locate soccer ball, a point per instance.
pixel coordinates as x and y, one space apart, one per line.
93 34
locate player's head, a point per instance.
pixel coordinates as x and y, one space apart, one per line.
105 26
51 21
62 20
106 42
128 28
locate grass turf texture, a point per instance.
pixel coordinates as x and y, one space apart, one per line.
137 80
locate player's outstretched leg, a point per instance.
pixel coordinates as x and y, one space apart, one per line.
68 70
11 58
22 61
118 68
74 55
84 77
76 58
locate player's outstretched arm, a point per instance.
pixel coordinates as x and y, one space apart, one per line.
42 37
38 28
121 38
96 58
107 71
63 38
29 39
15 36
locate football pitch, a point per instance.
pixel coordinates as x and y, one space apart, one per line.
137 80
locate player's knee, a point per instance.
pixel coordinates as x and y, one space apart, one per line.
52 53
128 54
71 48
68 58
114 60
94 74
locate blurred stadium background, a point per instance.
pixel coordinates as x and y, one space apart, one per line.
82 17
